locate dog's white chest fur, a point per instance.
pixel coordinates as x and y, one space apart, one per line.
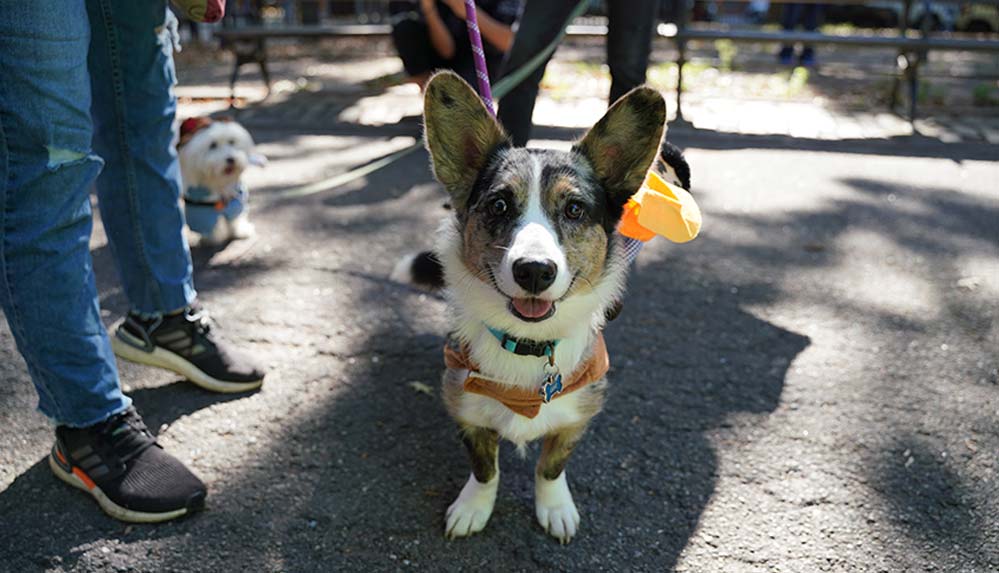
519 429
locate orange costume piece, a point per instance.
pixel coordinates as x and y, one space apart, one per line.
660 208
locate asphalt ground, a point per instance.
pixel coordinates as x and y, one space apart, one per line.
811 385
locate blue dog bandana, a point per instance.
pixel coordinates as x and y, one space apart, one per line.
202 212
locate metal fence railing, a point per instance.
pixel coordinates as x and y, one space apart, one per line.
249 23
913 49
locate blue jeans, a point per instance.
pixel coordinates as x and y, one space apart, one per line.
85 89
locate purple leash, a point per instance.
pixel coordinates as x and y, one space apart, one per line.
479 55
631 246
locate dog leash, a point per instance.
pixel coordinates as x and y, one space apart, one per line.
478 55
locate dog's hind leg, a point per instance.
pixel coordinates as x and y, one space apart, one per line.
470 512
553 503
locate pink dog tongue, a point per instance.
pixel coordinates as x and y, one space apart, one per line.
532 307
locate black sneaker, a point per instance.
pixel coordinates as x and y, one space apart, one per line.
184 343
119 463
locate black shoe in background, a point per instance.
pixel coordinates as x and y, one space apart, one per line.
185 343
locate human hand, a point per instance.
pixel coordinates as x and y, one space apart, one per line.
428 6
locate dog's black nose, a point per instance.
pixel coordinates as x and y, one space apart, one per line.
230 161
534 276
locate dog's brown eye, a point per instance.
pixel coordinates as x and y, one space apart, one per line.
213 145
574 210
498 207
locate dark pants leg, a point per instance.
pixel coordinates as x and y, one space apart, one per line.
629 40
540 24
788 21
790 16
412 41
811 17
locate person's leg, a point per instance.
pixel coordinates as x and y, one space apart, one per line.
788 21
539 25
790 16
810 22
810 18
412 42
630 26
47 286
132 76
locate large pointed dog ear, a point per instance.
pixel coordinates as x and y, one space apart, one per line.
622 145
460 134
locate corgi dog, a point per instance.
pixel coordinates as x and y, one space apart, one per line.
532 263
213 156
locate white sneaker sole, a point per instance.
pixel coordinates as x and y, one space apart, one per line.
163 358
111 508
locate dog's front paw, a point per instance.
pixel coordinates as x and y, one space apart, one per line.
470 512
242 228
555 509
219 236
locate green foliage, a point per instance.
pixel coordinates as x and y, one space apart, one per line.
930 93
985 95
798 80
726 54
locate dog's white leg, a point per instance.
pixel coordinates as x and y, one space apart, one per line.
241 227
554 507
470 512
220 233
553 503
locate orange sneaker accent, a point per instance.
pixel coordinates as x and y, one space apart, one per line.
84 478
61 457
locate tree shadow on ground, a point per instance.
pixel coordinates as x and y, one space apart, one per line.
367 473
943 508
362 477
932 502
207 262
358 474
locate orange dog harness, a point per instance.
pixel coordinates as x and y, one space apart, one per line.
523 401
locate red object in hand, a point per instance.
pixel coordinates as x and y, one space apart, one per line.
207 11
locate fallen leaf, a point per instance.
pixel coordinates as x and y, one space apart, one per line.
422 388
969 283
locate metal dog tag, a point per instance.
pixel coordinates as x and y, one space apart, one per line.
552 384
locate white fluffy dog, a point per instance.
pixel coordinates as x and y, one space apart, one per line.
213 156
